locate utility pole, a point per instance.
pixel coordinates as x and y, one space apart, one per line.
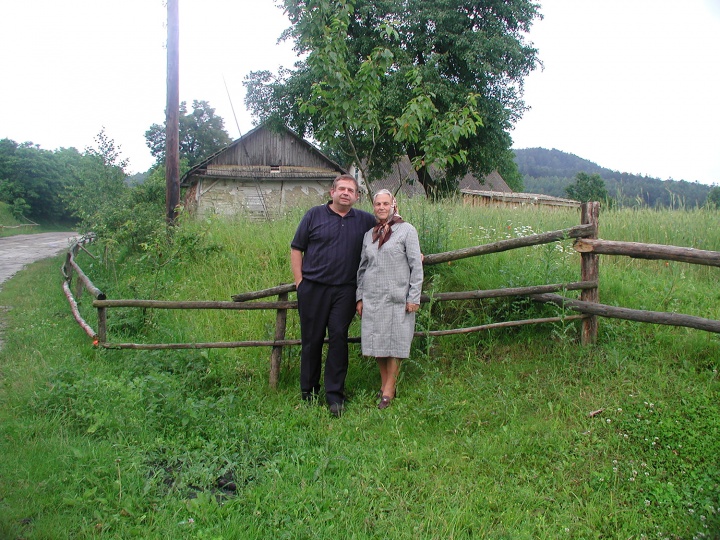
172 122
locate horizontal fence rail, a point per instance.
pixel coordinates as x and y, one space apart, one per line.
514 243
613 312
67 269
648 251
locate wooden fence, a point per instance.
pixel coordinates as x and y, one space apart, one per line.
588 306
20 226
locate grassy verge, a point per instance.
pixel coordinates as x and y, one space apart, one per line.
490 437
10 226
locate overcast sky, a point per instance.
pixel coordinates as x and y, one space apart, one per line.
632 85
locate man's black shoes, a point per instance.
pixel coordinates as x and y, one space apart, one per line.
337 409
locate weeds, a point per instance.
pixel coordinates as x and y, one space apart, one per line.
490 436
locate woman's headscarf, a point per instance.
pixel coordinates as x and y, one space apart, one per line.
382 231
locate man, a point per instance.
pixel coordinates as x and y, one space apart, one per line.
324 256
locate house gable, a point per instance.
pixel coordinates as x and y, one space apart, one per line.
266 154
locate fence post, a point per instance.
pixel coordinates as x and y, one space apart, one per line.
102 324
589 270
68 268
276 357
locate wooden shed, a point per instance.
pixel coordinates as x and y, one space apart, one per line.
261 175
474 197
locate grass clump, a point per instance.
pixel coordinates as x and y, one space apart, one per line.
491 435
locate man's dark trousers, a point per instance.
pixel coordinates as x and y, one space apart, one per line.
322 307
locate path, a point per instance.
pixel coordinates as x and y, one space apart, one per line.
20 250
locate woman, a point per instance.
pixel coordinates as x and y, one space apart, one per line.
389 281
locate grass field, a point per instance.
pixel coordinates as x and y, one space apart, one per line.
490 437
11 226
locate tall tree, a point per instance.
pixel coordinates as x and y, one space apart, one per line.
587 187
202 133
713 198
99 184
438 80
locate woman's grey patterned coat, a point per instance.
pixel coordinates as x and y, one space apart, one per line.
388 278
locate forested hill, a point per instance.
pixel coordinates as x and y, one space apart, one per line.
551 171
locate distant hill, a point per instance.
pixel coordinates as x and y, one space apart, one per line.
551 171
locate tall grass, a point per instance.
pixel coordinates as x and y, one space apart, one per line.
490 437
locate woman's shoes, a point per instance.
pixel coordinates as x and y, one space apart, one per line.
385 402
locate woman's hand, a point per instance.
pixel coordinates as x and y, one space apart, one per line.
411 308
358 308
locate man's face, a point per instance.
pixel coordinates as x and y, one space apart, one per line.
344 194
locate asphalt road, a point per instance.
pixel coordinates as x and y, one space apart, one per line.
20 250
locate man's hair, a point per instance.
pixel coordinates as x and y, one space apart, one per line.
349 178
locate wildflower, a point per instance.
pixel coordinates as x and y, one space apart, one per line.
647 503
608 420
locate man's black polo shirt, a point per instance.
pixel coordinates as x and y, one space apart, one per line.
331 244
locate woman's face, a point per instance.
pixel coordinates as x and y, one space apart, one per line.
382 206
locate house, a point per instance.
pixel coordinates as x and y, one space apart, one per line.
403 179
261 174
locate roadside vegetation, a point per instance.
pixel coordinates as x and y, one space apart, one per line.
491 436
11 225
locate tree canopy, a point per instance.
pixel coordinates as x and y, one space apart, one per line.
587 187
32 180
439 81
98 185
713 198
63 185
202 133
